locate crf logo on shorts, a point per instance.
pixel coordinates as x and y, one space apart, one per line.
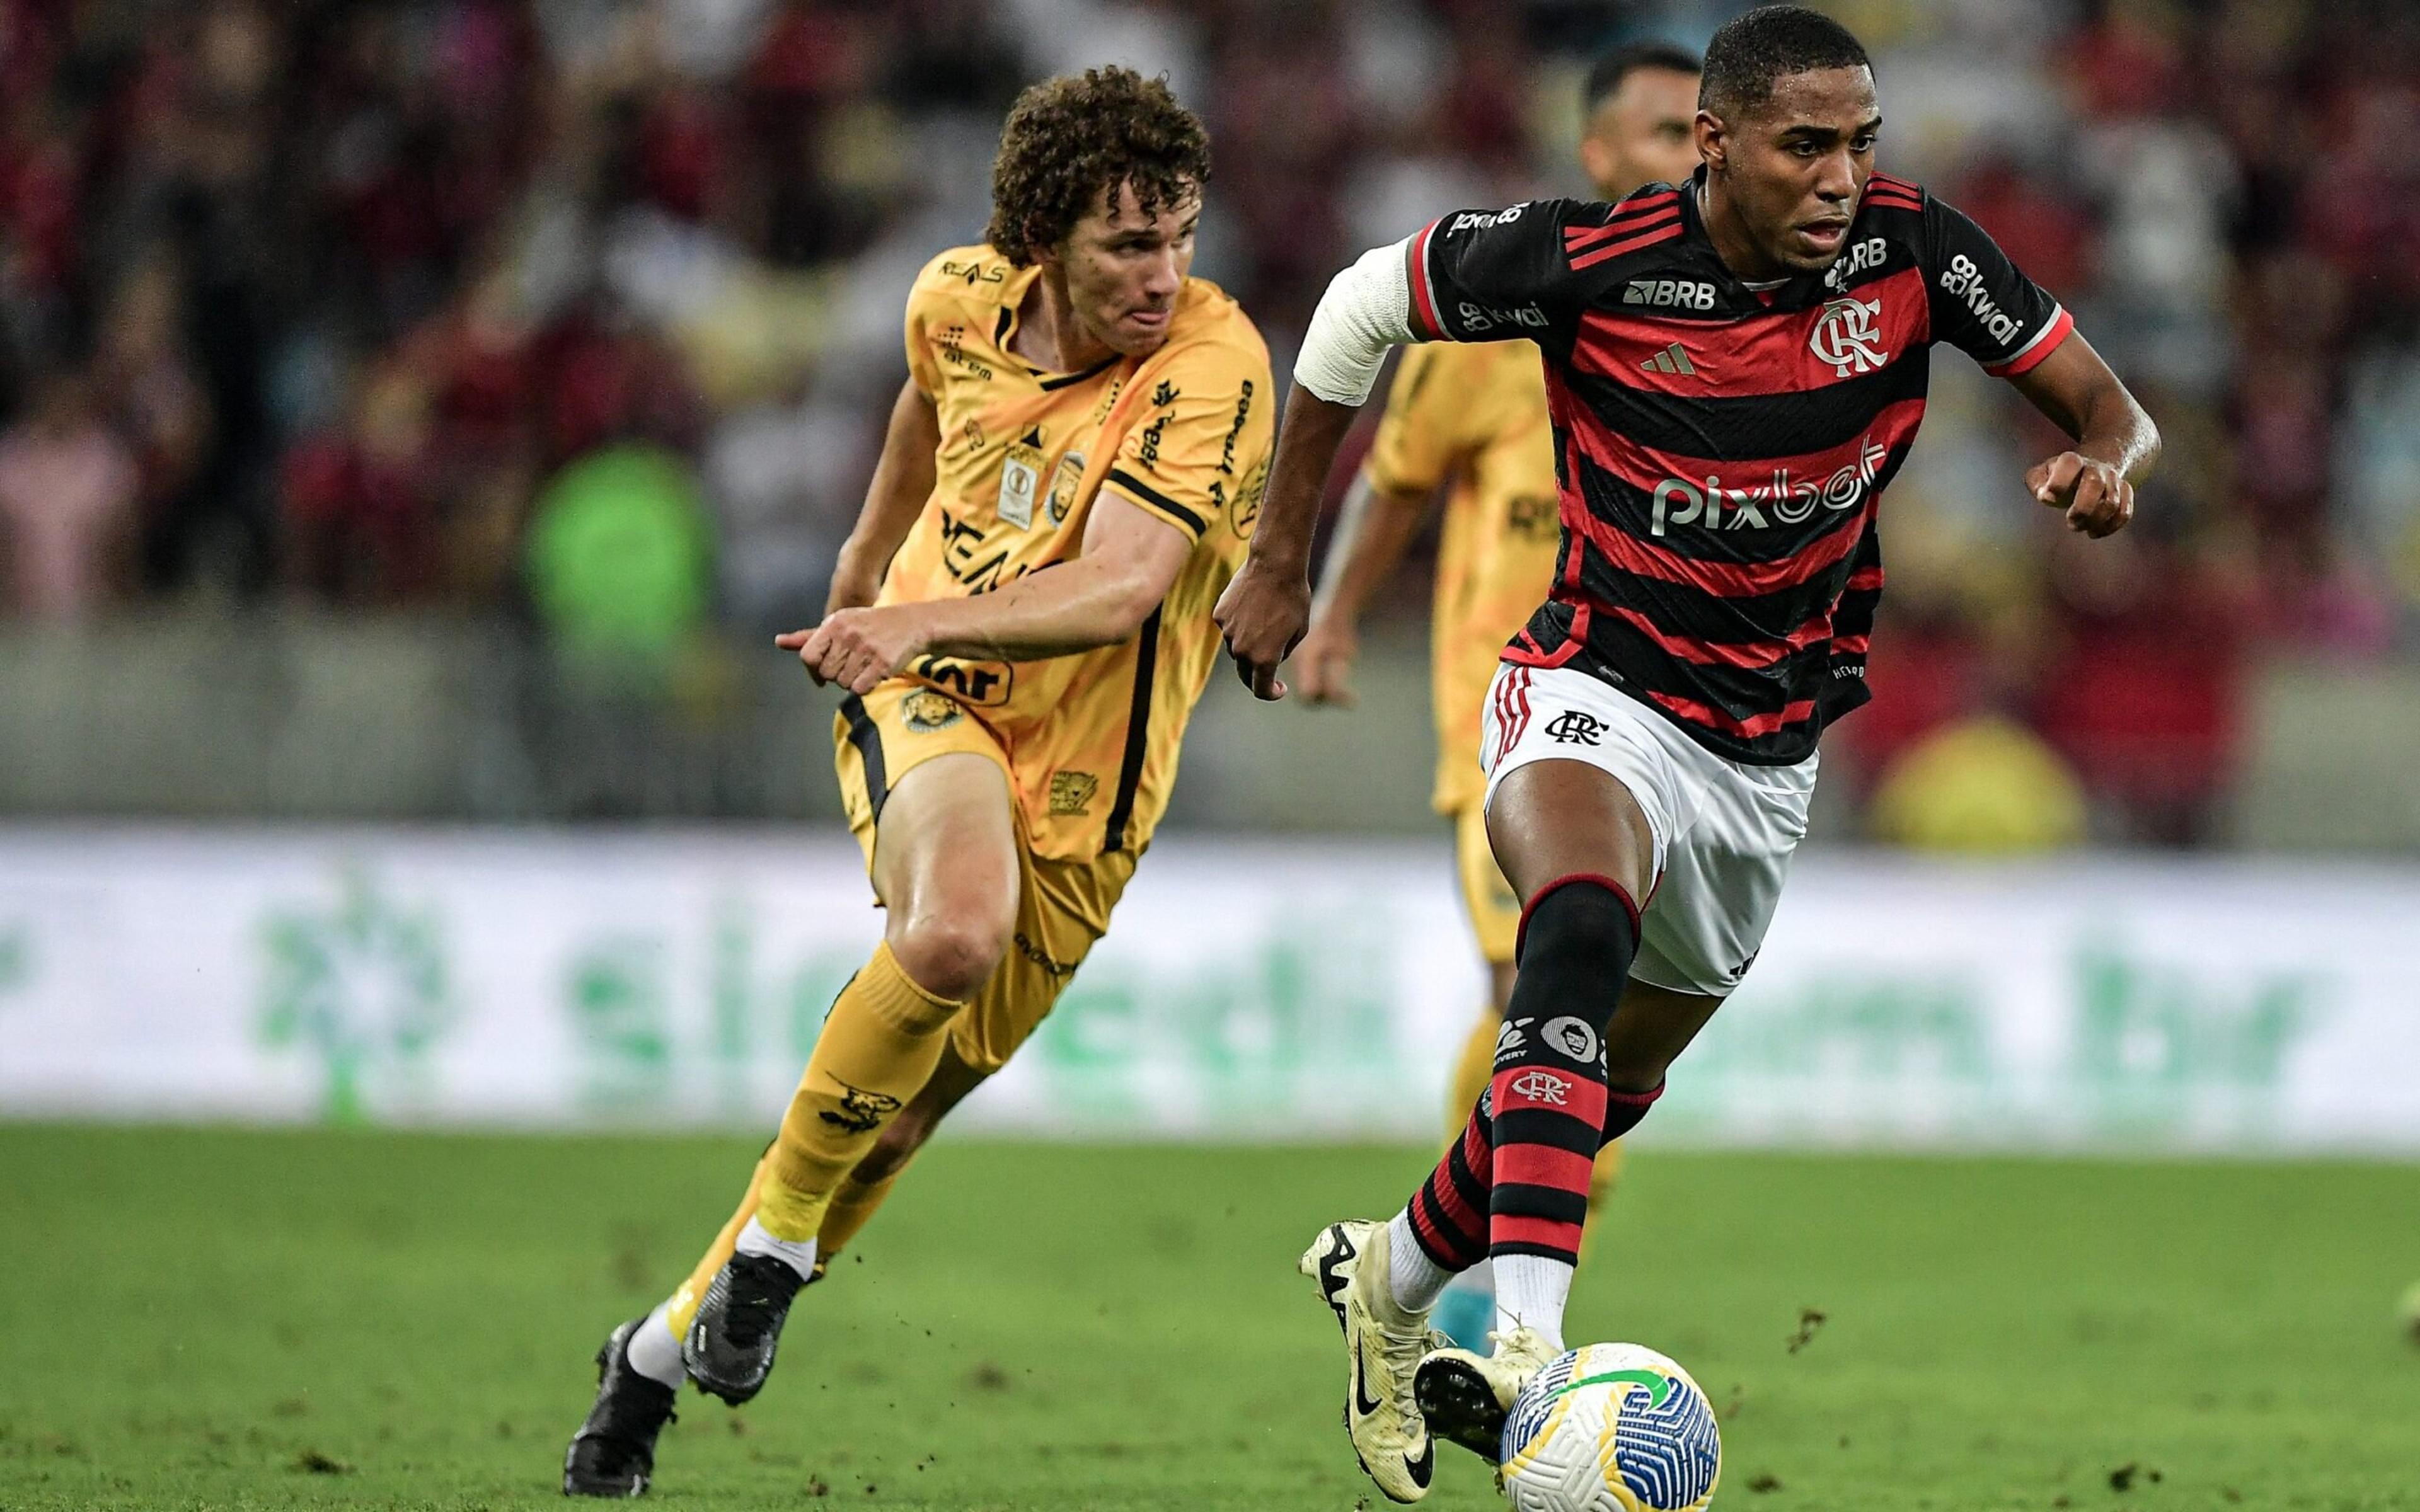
1574 728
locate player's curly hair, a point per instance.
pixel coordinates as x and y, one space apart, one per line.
1071 141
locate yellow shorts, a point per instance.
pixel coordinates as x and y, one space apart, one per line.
1063 905
1495 912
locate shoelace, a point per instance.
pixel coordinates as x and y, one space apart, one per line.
1403 1353
749 1315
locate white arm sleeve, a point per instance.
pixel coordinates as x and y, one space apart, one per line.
1367 309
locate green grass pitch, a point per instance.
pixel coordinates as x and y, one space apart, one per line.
230 1319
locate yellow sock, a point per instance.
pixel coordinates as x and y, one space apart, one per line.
1471 1070
876 1050
852 1205
684 1301
1607 1174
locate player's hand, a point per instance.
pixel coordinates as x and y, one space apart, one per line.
857 648
1323 664
1264 612
2098 498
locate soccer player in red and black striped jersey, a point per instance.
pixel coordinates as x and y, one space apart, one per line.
1736 366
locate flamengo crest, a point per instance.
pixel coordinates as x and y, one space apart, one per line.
1845 336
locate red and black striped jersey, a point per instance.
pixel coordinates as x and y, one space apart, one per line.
1720 448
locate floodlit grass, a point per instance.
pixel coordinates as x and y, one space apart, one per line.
231 1319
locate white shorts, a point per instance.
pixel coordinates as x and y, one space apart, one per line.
1724 830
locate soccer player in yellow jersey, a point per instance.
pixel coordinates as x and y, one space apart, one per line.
1473 417
1021 624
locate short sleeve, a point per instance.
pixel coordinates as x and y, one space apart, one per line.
920 367
1492 275
1418 438
1981 303
1199 450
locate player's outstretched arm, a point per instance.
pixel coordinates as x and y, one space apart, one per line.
1374 530
2116 443
903 481
1130 560
1265 611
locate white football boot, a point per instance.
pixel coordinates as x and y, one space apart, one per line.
1386 1344
1464 1397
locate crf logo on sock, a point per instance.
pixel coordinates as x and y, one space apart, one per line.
1542 1088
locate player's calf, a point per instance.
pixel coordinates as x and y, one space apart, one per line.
613 1454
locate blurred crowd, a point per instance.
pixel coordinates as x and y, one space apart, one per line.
587 311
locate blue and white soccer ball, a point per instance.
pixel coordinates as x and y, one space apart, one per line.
1611 1427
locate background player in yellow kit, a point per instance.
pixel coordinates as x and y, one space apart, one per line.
1474 416
1076 402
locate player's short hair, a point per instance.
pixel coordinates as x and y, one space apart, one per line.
1755 51
1608 75
1071 141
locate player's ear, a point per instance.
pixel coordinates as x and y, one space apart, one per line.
1712 138
1596 159
1039 251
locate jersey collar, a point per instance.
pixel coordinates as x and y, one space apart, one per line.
1797 291
1012 295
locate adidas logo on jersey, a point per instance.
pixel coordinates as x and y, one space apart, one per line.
1678 293
1672 359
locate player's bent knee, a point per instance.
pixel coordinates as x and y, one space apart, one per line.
1636 1075
950 956
1577 922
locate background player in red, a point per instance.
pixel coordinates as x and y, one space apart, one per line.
1736 368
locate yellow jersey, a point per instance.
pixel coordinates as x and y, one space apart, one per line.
1475 413
1184 434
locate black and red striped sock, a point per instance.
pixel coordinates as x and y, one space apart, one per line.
1549 1097
1450 1210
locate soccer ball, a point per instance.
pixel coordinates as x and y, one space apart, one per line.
1611 1427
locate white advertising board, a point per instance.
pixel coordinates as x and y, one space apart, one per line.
1272 990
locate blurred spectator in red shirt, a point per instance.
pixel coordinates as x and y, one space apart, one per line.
67 505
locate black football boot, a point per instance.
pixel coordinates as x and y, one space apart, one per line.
615 1451
729 1349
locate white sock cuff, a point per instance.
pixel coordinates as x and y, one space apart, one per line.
1411 1275
1530 1292
799 1254
655 1353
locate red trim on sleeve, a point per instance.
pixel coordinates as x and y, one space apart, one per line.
1425 324
1666 231
2038 349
